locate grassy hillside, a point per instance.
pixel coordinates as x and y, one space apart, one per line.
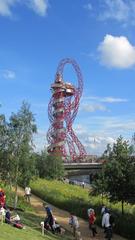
30 220
8 232
32 230
76 199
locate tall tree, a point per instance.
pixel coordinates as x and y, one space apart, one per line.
54 167
50 166
21 129
4 161
41 164
119 173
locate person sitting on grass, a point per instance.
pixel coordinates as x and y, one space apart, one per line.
8 216
57 227
13 220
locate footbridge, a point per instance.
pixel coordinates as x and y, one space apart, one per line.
82 168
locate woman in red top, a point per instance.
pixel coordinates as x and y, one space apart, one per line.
92 219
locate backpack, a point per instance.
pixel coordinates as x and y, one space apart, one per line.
18 225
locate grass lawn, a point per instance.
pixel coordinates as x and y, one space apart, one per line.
32 230
8 232
30 219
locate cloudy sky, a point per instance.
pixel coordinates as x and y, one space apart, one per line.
99 34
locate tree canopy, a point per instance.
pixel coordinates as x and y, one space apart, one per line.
118 174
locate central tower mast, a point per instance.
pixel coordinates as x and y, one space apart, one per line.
62 110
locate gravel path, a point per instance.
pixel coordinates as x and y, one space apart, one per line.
63 218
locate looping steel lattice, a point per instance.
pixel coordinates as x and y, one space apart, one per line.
62 110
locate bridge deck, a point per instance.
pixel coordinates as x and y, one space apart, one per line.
71 166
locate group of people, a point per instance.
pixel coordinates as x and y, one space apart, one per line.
50 222
107 222
5 213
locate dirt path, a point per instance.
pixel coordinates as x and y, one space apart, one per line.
63 218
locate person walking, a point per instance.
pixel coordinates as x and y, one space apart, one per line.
92 219
106 224
27 193
49 219
74 223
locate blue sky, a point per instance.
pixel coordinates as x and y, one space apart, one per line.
99 34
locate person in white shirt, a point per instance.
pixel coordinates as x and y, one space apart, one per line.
15 218
28 194
106 224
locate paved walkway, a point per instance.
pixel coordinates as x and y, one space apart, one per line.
63 218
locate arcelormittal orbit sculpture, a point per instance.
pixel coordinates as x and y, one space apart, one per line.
62 110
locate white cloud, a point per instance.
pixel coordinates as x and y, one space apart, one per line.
92 107
39 6
118 10
8 74
97 144
116 52
94 142
96 132
5 7
106 99
113 100
122 11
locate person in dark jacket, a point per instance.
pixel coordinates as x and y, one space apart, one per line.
49 219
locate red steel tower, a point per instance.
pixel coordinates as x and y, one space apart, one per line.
62 110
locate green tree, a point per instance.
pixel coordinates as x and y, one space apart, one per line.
20 130
54 167
119 173
41 163
4 160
